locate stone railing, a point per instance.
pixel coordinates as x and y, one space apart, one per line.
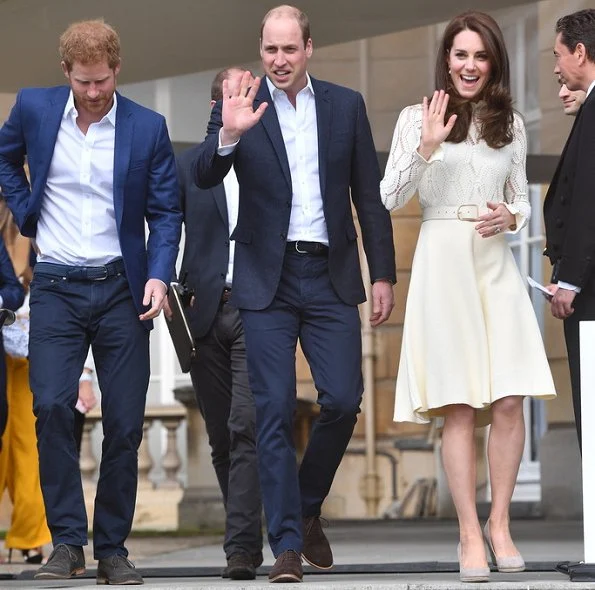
157 501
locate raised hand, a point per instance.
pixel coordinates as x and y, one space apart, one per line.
237 112
434 130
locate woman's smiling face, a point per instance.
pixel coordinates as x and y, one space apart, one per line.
469 64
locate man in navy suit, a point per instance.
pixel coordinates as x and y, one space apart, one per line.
300 163
101 167
219 373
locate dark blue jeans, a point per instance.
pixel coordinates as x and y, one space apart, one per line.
66 317
305 308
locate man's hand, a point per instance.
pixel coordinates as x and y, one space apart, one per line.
383 301
237 112
87 395
155 295
562 303
167 309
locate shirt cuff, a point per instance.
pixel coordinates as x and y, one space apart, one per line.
519 219
1 301
437 155
225 150
569 287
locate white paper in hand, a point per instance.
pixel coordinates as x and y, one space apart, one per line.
535 285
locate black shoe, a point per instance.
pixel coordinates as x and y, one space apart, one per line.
116 569
256 558
240 567
65 561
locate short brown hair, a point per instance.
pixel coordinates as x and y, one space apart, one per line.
217 85
291 11
90 42
498 116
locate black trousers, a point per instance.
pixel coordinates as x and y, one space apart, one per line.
220 379
584 310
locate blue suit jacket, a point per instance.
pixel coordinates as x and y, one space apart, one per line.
349 172
145 183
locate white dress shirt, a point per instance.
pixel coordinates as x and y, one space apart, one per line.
300 136
77 223
232 196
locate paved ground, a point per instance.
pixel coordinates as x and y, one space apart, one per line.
368 555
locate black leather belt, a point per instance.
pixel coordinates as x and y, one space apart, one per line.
226 295
312 248
81 273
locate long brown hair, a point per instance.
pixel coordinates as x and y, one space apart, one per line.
497 116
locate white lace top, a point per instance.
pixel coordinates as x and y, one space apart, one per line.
469 172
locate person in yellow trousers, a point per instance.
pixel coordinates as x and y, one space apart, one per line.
19 462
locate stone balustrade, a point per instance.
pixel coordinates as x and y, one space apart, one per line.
157 498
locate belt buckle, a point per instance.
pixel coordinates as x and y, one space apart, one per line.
463 215
298 250
104 269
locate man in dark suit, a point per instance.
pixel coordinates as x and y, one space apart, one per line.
219 373
569 208
101 166
297 274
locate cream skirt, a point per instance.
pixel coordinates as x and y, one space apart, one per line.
470 334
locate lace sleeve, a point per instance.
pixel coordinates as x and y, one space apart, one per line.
405 166
515 188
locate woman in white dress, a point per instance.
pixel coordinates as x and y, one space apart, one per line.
471 344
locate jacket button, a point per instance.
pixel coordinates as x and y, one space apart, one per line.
559 223
222 275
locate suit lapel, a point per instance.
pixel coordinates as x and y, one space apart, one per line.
122 149
270 122
323 122
553 184
218 193
49 127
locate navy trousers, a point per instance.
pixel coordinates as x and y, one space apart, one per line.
305 308
66 317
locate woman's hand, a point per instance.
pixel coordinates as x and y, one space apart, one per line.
433 128
498 220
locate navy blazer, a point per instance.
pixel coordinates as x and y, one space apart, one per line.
145 182
206 247
349 172
569 206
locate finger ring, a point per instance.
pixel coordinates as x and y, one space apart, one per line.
497 230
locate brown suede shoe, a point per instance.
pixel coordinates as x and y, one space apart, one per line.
316 550
287 568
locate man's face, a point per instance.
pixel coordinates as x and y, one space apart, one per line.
284 56
567 65
571 100
93 86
